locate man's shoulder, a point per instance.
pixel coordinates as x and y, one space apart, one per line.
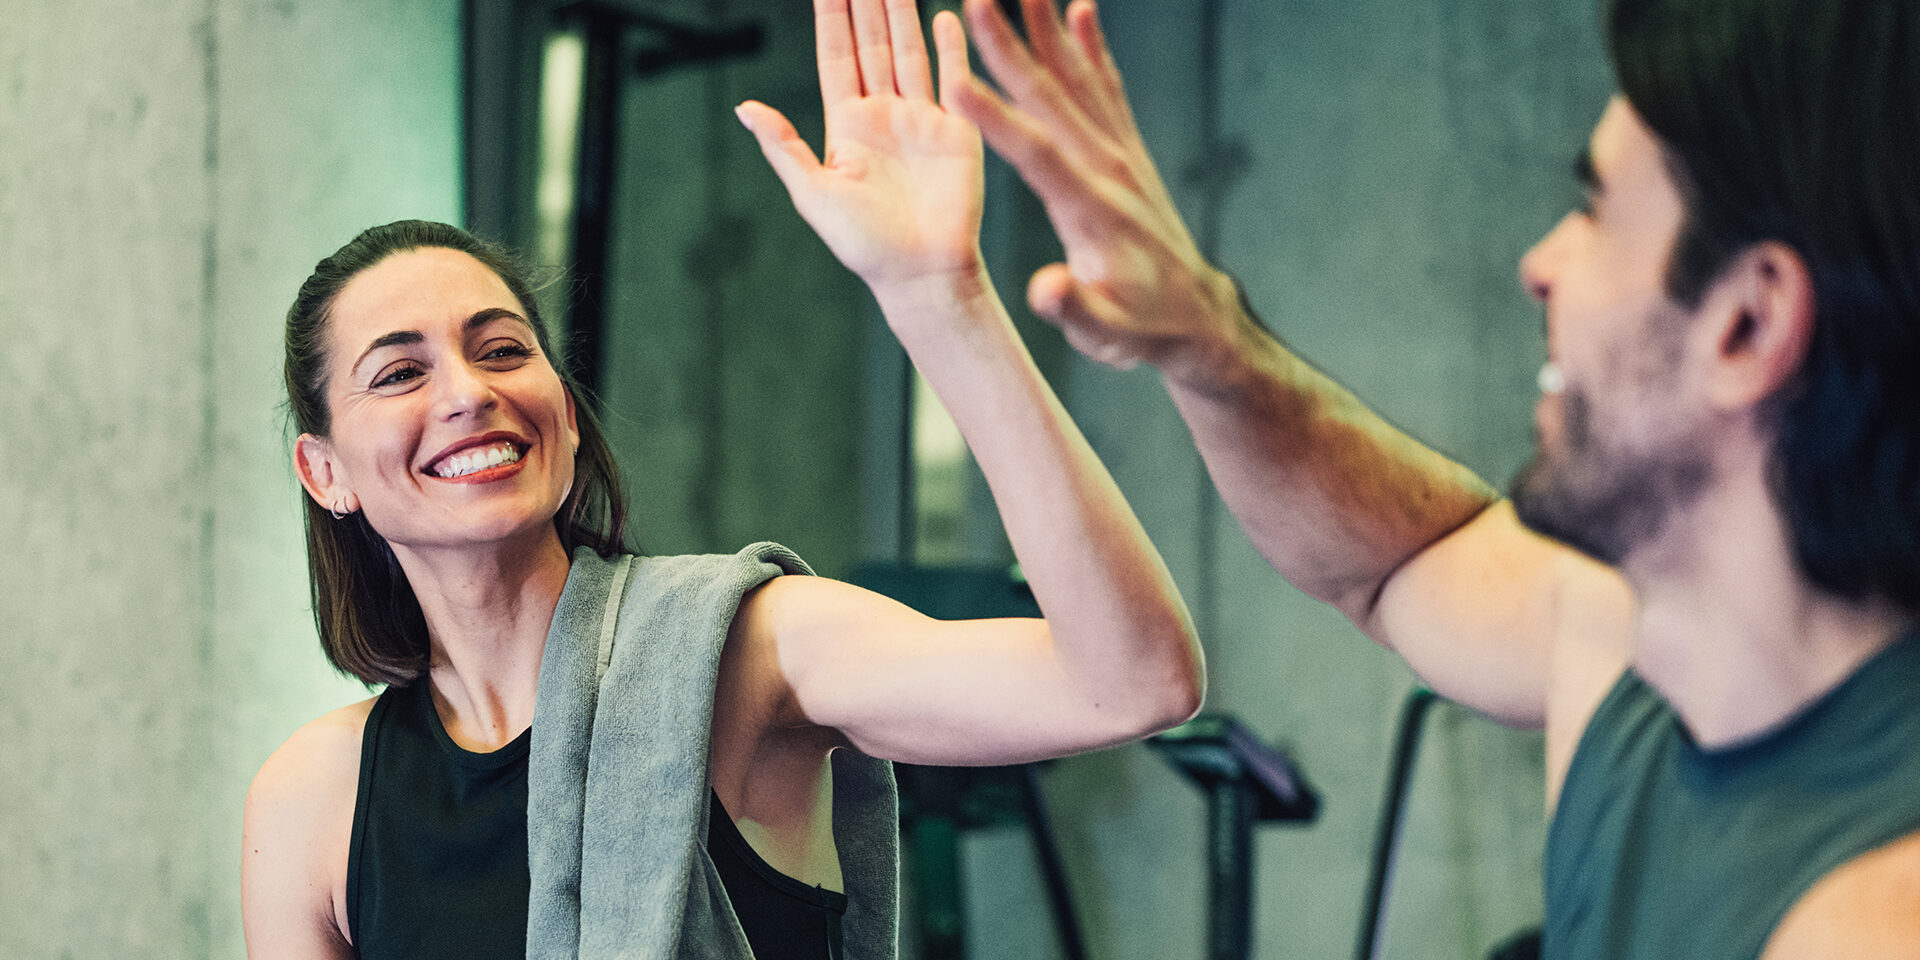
1866 909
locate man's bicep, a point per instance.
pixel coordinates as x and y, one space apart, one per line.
1479 615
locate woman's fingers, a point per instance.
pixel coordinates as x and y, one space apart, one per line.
911 71
873 46
833 48
792 160
950 43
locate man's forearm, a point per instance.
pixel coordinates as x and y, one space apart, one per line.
1331 494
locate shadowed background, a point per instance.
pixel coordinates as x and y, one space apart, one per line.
170 170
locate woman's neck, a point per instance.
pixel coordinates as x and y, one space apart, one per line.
487 610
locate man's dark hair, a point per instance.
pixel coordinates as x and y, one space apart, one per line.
370 622
1795 121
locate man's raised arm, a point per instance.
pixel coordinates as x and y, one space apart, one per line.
1411 546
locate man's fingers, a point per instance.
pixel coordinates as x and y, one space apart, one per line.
950 42
1063 60
1057 295
1025 82
792 160
1100 351
911 72
833 47
873 46
1019 139
1048 291
1092 323
1083 20
1045 35
1072 195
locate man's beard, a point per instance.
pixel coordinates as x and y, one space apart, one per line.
1603 500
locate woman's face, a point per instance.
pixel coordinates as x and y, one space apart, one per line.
450 428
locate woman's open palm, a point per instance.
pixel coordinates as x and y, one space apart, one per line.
898 196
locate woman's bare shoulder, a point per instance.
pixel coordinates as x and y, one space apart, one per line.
295 834
326 749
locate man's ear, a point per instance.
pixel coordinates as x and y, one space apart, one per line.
1767 312
313 463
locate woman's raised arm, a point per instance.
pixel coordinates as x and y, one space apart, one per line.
898 199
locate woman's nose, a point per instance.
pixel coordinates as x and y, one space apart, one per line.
462 391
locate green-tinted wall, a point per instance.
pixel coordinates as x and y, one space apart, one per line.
169 173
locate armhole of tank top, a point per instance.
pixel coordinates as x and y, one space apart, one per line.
721 828
1608 705
369 738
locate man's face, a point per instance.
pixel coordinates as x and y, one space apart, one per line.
1620 433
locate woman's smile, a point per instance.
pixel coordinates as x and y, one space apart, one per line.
481 459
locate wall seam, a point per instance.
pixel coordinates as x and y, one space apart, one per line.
200 919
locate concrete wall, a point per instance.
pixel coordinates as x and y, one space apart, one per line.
171 172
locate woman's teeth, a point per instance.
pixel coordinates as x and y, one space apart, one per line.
1551 380
475 460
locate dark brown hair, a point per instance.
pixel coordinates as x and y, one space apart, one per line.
370 622
1792 121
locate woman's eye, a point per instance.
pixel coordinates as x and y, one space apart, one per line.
506 351
397 376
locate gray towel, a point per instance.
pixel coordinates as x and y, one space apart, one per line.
617 782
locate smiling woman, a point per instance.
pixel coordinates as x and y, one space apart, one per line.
370 622
465 538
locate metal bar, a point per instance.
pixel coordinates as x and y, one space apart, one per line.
1066 923
1386 844
1229 869
593 192
939 888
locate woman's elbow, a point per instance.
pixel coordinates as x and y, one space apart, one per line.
1174 693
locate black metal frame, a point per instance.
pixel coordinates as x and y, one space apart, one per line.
1245 781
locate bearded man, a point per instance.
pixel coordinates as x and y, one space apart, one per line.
1704 586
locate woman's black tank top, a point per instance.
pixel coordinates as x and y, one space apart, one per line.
437 866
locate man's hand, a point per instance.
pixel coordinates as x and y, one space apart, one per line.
1134 287
898 198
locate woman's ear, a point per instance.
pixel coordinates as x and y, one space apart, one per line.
573 422
1764 338
313 463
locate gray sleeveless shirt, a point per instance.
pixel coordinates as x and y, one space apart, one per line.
1660 849
617 795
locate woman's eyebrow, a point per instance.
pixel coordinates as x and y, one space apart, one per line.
491 314
402 337
394 339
